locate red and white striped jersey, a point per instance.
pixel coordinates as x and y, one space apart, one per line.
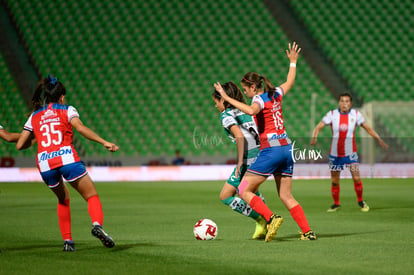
343 127
270 120
50 125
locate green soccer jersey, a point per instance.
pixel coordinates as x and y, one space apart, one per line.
230 117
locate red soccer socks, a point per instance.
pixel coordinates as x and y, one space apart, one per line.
358 190
335 193
95 210
260 207
299 216
63 211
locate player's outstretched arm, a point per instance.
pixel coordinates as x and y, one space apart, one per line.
374 134
9 137
293 55
316 132
91 135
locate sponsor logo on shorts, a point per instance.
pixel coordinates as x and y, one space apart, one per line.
275 136
353 156
64 151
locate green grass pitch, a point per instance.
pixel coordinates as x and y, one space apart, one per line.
152 225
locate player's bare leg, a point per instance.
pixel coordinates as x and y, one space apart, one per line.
284 188
87 189
248 187
227 196
63 212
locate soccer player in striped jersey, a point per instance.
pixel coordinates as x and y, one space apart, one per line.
275 156
343 152
242 131
51 124
7 136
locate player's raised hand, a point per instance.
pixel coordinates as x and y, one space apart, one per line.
220 89
293 52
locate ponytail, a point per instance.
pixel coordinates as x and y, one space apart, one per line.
48 90
37 100
269 87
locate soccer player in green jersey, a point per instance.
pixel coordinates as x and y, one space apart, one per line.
242 130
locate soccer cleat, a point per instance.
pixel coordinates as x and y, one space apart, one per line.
69 246
334 208
273 226
98 232
308 236
261 229
364 206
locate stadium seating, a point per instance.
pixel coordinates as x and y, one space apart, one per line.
13 110
367 41
141 72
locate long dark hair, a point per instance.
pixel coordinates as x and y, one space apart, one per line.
48 90
233 91
253 78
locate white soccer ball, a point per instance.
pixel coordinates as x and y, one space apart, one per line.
205 229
